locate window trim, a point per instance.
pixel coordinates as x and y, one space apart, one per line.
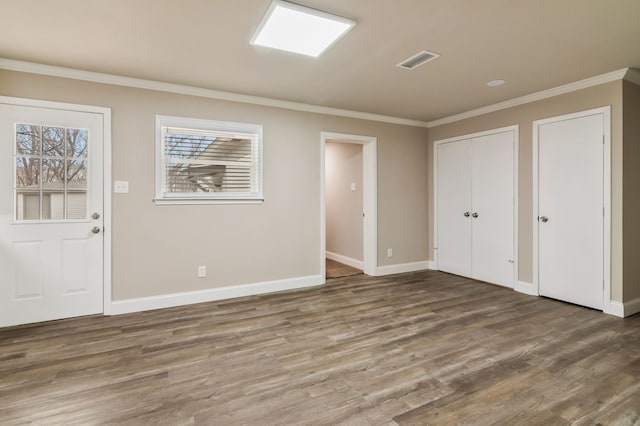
205 197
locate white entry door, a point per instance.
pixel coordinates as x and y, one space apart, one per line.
570 214
51 208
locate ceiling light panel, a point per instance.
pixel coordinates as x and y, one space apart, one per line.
299 29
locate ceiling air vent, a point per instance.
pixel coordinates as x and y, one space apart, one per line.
416 60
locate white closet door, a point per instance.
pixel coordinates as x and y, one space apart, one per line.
492 191
454 200
570 206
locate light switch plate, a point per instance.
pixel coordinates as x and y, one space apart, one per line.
353 186
121 186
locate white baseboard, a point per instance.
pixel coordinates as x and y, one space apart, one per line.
432 265
402 268
622 309
210 295
358 264
632 307
526 288
614 308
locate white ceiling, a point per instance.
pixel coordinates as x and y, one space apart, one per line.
533 44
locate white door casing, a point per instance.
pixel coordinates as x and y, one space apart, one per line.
571 228
369 198
477 174
51 262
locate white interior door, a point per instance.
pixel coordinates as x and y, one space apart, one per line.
492 237
454 207
571 210
51 208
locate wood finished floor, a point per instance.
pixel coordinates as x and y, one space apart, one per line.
411 349
339 270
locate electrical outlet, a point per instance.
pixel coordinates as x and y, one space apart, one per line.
202 271
389 252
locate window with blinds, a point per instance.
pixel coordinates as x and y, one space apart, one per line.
201 161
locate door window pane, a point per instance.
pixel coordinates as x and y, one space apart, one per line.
53 141
53 205
51 173
77 189
31 206
27 206
27 139
27 172
77 174
76 204
77 140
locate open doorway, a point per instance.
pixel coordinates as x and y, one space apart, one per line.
349 210
343 209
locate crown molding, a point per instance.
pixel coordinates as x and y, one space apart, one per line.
633 75
628 74
96 77
544 94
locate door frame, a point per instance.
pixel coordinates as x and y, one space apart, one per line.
515 129
106 159
606 115
369 199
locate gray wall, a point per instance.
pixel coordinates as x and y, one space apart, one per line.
343 165
156 249
631 176
524 115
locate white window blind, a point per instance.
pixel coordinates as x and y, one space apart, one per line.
202 160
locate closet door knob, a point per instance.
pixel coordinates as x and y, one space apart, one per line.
466 214
474 215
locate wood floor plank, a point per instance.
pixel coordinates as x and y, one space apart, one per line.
417 348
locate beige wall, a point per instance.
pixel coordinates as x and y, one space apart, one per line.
631 177
524 115
156 249
343 165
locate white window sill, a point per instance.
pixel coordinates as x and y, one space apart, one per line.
179 201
